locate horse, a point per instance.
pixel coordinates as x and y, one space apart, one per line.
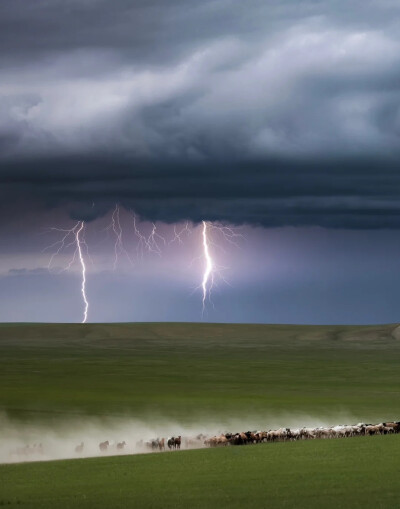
79 448
395 426
103 446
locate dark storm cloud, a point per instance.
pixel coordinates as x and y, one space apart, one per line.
351 194
146 30
271 113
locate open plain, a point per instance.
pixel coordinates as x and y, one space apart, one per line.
69 383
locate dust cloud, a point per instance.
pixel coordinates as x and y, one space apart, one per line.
22 441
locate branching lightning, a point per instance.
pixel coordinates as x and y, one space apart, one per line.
82 261
116 228
208 271
211 269
151 243
178 234
72 237
213 235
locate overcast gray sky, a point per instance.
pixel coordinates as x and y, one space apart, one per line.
269 114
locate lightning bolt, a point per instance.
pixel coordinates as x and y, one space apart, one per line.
83 266
153 240
150 243
72 237
178 234
116 228
208 270
211 269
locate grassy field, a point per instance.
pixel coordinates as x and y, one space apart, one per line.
191 371
342 473
184 371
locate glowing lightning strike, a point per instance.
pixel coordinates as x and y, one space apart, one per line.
116 227
73 236
82 261
178 234
208 271
150 243
211 270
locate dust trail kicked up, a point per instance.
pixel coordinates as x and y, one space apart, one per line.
89 437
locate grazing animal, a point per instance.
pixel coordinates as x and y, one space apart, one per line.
262 435
79 448
236 439
395 426
243 438
372 430
216 441
121 445
152 444
223 440
211 442
239 439
272 436
171 443
177 442
103 446
161 444
251 437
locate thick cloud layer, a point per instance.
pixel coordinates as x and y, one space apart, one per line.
271 113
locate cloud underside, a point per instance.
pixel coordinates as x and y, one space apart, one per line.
277 113
346 194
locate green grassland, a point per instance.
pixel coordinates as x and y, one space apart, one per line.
342 473
184 371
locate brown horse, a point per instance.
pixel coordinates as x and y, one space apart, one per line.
103 446
395 426
177 442
161 444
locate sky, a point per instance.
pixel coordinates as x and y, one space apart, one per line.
279 119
